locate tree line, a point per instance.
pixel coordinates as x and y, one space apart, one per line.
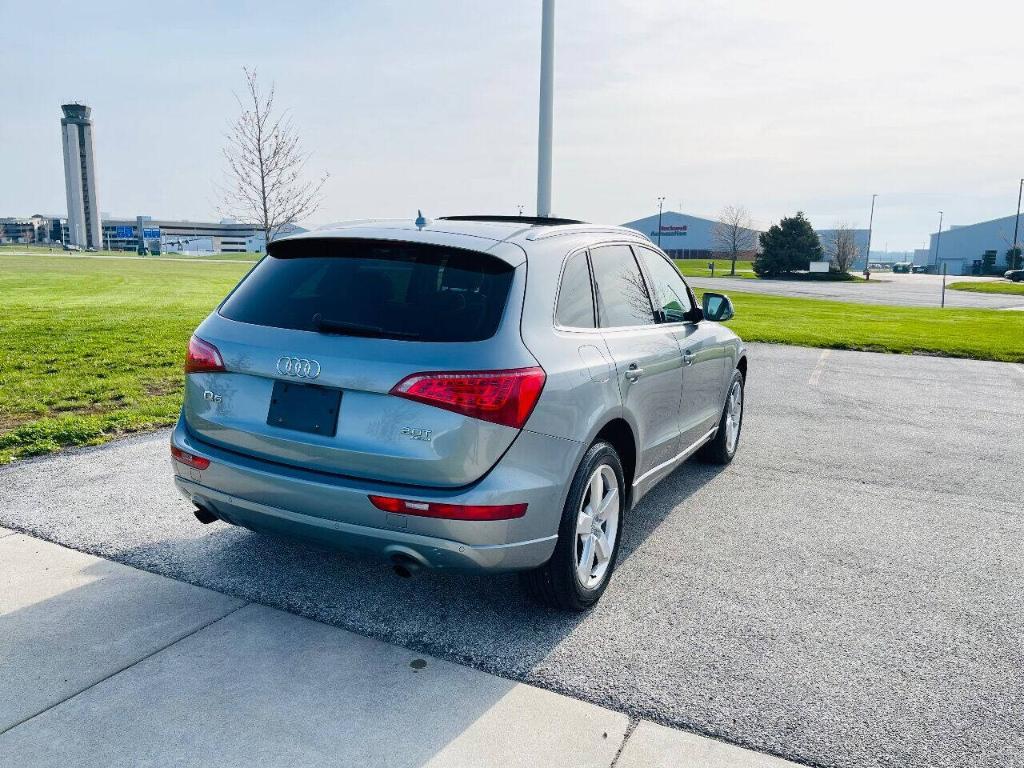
787 247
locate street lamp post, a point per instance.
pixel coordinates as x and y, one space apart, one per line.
1016 228
661 204
871 224
547 88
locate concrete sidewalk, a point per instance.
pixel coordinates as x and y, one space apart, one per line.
105 665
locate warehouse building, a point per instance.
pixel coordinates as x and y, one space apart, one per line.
683 236
963 249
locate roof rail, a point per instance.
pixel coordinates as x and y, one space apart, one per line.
579 229
540 220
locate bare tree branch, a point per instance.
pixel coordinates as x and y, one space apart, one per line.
734 233
841 246
265 165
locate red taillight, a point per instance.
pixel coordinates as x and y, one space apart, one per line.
202 357
504 397
449 511
196 462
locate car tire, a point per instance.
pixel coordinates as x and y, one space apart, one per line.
565 582
723 447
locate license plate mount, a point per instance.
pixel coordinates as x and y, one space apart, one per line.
304 408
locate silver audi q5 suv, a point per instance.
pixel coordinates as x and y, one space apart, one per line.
473 393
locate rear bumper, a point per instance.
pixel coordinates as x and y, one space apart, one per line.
336 511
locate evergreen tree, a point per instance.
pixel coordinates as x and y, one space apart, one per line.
787 246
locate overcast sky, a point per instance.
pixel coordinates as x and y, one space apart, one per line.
777 106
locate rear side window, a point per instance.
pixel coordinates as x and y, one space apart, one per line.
575 300
622 298
383 289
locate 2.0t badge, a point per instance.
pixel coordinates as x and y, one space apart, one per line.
299 367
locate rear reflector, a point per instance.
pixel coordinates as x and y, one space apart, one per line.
196 462
502 397
449 511
203 357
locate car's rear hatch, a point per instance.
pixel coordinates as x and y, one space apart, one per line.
315 338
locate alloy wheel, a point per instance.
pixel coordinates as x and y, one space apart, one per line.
597 526
733 417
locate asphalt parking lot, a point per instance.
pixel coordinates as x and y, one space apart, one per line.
846 593
883 288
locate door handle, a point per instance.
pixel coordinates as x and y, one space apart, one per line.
634 372
688 357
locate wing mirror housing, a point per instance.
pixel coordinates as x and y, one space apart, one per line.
717 307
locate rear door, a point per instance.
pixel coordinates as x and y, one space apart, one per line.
320 332
646 356
702 354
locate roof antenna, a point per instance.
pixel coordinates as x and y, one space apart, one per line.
420 221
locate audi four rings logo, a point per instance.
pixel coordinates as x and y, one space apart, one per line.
299 367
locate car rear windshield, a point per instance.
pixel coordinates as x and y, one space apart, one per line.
409 291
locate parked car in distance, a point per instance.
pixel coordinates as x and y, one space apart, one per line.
477 393
918 269
1016 275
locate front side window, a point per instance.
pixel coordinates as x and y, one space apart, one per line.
622 297
575 300
671 296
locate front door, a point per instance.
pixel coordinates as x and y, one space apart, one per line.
646 356
703 357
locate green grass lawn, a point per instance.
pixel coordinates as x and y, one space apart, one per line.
745 269
94 347
699 268
978 287
984 334
44 250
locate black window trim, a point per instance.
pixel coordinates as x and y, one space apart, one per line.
593 294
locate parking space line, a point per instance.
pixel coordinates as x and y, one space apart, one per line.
816 373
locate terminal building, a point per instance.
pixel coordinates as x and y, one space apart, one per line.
28 230
962 249
683 236
146 234
158 235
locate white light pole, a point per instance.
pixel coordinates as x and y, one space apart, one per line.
871 226
661 203
547 88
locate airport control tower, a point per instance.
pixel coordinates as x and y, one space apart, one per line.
80 177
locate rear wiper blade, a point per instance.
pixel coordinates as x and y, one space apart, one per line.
358 329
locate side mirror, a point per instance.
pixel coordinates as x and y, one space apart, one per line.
717 307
